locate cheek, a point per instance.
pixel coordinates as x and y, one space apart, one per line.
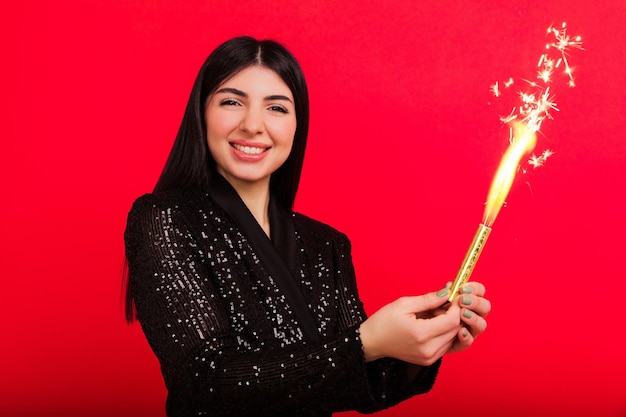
285 133
219 126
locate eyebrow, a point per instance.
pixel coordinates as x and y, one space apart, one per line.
245 95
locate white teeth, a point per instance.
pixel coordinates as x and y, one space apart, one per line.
248 149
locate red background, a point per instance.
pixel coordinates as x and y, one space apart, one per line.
404 141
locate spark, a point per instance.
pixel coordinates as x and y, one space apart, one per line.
535 109
562 43
495 89
508 119
537 101
547 66
538 160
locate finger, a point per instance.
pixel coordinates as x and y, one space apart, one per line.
475 323
473 287
479 305
429 301
464 339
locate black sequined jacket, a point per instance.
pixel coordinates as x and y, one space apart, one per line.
226 335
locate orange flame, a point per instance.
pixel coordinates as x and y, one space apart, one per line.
524 140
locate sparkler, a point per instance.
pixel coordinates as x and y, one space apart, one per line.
524 121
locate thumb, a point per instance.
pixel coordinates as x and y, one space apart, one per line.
431 300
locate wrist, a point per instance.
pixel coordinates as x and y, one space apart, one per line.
370 348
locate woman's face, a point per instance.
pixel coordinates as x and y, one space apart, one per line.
251 123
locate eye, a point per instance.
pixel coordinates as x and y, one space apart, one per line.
229 102
279 109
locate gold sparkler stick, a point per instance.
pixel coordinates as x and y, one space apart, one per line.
471 257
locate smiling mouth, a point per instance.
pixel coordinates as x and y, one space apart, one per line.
249 150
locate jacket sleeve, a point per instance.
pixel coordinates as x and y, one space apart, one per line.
187 326
387 379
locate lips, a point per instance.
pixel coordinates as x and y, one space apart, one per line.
249 150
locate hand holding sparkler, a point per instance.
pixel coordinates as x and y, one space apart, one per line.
421 329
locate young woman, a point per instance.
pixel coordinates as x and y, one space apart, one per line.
252 309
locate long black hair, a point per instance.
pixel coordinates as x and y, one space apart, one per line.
190 164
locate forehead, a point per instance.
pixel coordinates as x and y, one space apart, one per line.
259 79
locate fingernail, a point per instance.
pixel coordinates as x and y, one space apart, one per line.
465 300
467 314
465 333
443 292
467 289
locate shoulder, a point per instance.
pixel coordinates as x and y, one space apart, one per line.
160 211
314 229
167 201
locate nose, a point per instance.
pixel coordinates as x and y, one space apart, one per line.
252 121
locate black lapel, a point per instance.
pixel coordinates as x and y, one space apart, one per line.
283 235
277 255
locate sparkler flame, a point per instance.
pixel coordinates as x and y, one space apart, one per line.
522 143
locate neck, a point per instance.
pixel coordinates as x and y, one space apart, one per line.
256 196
